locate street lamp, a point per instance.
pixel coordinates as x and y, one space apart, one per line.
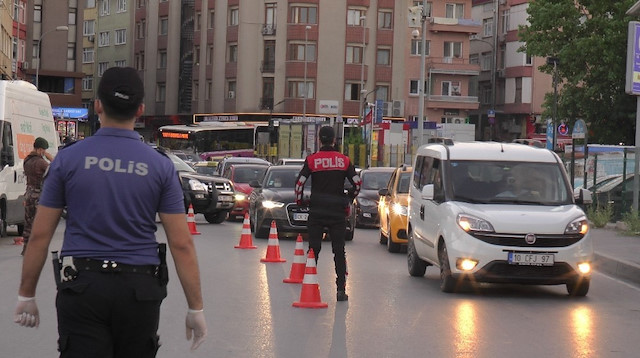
58 28
306 54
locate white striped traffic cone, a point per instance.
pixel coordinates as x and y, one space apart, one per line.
246 241
297 267
310 294
191 221
273 250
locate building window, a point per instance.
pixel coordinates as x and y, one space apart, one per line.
104 8
296 89
121 36
413 86
122 6
233 53
141 27
450 88
37 13
474 59
270 13
454 11
208 89
211 19
209 54
352 91
354 17
385 20
72 16
354 54
162 59
163 27
487 27
486 61
231 89
71 51
416 45
383 57
304 14
140 3
161 92
234 18
196 21
196 89
140 60
103 39
518 96
87 83
90 4
453 49
87 55
102 66
196 54
297 53
528 60
121 63
88 27
505 21
382 92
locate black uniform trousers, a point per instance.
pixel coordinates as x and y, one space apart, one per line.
336 228
109 315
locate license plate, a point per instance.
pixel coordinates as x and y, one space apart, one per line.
225 198
519 258
366 215
300 216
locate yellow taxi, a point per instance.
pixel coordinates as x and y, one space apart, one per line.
393 209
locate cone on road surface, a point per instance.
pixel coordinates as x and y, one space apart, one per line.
18 240
191 221
297 267
246 241
273 250
310 294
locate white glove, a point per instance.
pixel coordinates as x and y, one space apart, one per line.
27 314
196 327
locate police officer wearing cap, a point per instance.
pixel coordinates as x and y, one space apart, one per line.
112 278
34 168
328 203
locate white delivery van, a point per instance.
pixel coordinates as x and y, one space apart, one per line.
25 114
497 213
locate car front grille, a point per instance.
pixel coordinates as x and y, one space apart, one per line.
293 209
222 187
501 271
542 240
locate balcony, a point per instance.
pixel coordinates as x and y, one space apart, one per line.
456 102
453 66
268 29
268 67
445 24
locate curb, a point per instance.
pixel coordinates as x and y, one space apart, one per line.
619 269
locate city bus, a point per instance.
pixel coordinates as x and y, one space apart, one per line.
211 139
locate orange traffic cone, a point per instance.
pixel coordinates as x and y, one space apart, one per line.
191 221
273 250
245 238
18 240
310 294
297 267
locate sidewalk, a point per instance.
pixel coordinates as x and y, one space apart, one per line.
616 255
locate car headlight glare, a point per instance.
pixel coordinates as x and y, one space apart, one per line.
400 209
578 226
197 185
466 264
268 204
584 268
366 202
472 223
240 197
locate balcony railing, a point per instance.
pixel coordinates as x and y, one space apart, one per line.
268 29
268 67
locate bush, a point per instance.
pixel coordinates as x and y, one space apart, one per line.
600 215
632 222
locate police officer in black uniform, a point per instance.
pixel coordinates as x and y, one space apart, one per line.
112 271
328 204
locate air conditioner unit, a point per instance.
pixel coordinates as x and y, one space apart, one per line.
398 109
458 120
232 94
474 37
25 65
91 38
386 109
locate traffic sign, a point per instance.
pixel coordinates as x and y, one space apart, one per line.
563 129
579 129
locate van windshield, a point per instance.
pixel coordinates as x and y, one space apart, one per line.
509 183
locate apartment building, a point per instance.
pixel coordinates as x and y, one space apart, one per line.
510 84
302 57
6 39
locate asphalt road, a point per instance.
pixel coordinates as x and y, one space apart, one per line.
389 314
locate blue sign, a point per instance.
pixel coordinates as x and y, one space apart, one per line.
549 135
65 112
563 129
379 110
579 129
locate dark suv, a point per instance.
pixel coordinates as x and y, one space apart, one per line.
211 196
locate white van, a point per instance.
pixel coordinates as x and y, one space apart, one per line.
25 114
498 213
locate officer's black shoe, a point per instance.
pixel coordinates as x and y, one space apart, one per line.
342 296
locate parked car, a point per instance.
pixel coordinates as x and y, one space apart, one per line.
393 209
366 203
290 161
274 199
498 213
223 163
241 175
187 157
615 192
209 195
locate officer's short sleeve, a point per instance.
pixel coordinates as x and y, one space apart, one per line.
53 190
172 198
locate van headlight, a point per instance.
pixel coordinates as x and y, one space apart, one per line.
197 185
400 209
472 223
269 204
366 202
578 226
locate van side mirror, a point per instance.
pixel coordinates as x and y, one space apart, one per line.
383 192
427 192
6 156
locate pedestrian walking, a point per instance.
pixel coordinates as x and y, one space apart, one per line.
35 166
329 204
112 274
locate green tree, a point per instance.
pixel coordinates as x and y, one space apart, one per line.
589 37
